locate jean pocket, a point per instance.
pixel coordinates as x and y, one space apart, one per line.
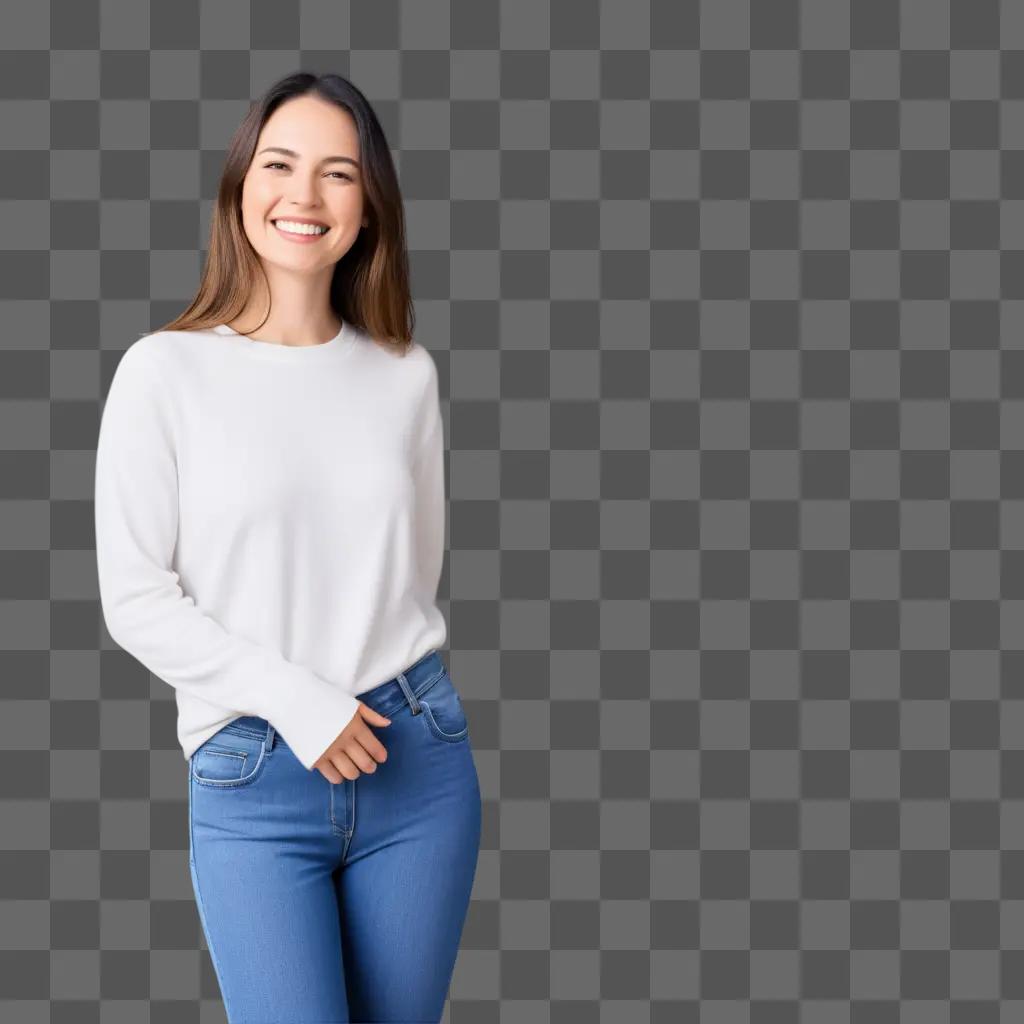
229 760
443 713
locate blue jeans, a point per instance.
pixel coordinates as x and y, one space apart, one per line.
326 902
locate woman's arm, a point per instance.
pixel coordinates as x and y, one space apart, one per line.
144 607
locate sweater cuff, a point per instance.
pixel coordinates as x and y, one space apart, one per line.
310 715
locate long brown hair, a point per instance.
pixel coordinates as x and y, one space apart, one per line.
370 287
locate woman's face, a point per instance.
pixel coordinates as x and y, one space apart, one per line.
304 184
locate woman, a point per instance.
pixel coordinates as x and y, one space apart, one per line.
269 536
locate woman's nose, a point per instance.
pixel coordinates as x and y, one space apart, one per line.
302 192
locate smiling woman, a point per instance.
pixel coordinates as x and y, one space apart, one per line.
270 534
310 152
303 200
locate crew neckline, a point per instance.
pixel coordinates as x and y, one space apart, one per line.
341 343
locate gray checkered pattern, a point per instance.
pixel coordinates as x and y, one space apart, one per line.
727 303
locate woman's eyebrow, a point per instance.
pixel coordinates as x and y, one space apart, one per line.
326 159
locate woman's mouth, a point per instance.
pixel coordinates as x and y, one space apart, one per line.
297 231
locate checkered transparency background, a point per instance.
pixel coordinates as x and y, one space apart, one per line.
727 300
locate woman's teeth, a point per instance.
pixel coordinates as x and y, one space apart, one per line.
296 228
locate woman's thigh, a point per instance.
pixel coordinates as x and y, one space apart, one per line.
404 886
261 852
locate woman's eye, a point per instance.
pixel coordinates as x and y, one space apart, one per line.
277 163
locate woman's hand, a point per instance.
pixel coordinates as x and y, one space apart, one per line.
356 749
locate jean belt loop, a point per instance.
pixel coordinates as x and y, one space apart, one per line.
271 732
409 695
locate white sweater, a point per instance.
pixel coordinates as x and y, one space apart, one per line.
270 524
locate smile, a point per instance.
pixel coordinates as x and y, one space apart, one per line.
296 231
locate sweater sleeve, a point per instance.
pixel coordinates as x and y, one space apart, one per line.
144 607
430 494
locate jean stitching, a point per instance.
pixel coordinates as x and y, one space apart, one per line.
335 827
240 730
351 831
199 898
448 737
246 780
350 804
422 690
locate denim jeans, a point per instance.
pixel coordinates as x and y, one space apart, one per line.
324 902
